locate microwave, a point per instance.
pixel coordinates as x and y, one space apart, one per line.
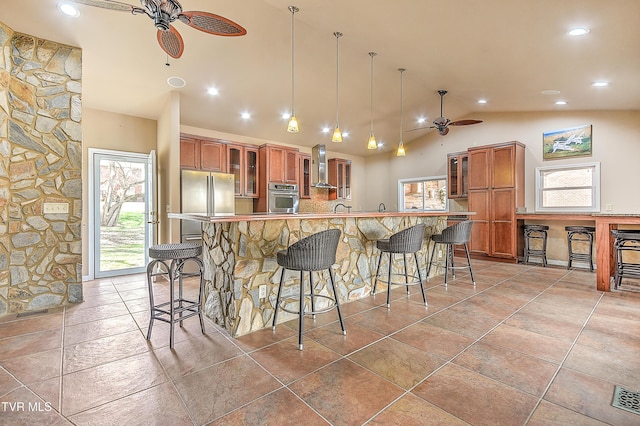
282 198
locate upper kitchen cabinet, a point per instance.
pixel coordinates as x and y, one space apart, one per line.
305 176
458 175
242 162
496 189
203 154
339 171
279 164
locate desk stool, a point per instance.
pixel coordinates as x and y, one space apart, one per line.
580 235
533 233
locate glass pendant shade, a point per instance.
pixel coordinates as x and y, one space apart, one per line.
372 142
337 134
400 152
292 127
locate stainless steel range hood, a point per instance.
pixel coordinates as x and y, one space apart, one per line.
319 166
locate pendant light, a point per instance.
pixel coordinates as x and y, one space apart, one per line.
292 127
372 139
337 134
400 152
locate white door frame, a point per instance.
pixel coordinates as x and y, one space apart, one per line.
150 201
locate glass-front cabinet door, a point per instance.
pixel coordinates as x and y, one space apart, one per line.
251 172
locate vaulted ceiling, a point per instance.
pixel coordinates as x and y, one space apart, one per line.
504 51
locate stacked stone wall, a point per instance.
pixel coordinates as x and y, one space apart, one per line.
40 170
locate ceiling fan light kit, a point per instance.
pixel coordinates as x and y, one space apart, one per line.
164 13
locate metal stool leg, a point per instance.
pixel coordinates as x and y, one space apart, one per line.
424 296
389 282
406 274
375 283
335 295
275 312
301 313
313 303
466 250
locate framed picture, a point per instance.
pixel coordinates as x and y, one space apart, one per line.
564 143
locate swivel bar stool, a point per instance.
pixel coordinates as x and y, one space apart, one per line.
533 233
170 259
313 253
626 246
405 242
458 234
581 235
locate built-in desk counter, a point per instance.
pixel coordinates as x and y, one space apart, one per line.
604 223
239 255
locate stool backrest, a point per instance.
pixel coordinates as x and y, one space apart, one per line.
408 240
315 252
460 233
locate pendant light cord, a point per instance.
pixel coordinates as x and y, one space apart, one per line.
402 70
372 54
338 35
293 10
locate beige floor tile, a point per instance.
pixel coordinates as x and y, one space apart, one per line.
23 407
548 414
74 334
528 342
217 390
411 410
35 367
30 343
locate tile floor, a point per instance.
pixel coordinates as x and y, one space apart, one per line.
527 345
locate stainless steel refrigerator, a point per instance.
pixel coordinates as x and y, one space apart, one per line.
205 193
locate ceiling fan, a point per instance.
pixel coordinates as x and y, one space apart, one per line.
442 124
164 13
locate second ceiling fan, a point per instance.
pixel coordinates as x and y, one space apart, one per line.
442 124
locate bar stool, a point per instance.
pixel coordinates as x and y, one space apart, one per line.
170 260
531 234
316 252
458 234
408 240
580 234
626 241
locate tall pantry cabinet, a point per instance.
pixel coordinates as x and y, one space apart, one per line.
496 189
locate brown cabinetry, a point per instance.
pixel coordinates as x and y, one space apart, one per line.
496 188
458 175
305 176
203 154
339 175
279 164
242 162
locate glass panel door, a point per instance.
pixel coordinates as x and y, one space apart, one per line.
122 212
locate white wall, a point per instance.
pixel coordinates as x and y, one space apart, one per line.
616 145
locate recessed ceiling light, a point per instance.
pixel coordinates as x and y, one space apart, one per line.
245 115
421 120
600 83
176 82
550 92
345 134
326 130
561 102
213 91
482 101
69 9
578 31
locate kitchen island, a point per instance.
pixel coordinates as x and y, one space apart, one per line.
239 255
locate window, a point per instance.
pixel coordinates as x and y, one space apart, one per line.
570 188
424 194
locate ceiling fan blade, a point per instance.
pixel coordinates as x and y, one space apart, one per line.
420 128
464 122
212 24
108 4
171 42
